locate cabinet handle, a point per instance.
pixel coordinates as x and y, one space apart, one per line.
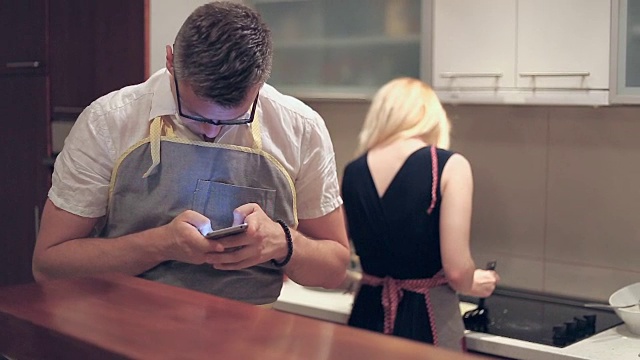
565 74
23 64
453 75
36 213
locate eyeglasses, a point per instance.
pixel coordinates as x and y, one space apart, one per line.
238 121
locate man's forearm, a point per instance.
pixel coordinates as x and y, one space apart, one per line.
131 254
317 262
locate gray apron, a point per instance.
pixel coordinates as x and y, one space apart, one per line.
163 175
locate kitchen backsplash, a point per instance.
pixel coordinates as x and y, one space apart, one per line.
556 197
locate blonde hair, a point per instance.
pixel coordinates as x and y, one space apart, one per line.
404 108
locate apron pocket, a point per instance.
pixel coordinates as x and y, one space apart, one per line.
217 201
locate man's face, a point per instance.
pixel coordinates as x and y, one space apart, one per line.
194 106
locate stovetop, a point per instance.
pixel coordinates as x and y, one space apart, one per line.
539 318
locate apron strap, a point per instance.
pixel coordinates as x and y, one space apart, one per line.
392 291
256 133
158 126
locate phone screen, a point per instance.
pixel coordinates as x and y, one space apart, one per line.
232 230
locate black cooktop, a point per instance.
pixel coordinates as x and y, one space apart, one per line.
540 318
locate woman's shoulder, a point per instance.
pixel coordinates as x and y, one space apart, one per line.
448 160
456 166
443 154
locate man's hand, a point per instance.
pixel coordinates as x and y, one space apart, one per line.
186 242
263 240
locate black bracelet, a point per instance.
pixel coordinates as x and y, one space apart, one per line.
287 233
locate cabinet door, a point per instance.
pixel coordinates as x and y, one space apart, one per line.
342 48
23 183
631 44
22 35
563 44
474 44
625 48
96 47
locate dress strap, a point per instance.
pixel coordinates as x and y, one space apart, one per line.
434 179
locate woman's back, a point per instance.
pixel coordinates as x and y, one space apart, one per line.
393 219
387 195
408 209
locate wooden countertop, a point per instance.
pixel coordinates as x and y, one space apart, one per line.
120 317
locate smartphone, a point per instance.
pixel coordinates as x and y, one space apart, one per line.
232 230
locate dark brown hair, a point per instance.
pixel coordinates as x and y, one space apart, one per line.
222 50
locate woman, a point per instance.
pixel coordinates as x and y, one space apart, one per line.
408 207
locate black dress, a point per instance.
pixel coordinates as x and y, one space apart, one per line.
394 236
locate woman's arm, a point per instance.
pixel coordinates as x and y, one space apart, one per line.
455 228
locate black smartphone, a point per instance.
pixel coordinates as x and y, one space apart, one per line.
231 230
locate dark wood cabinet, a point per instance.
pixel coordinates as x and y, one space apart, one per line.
24 104
23 29
23 184
96 47
56 57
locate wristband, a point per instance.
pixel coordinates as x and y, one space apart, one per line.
287 233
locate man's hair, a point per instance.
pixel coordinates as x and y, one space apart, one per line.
401 109
222 50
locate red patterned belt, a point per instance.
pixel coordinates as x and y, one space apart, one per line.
393 290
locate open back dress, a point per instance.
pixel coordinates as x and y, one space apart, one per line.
397 236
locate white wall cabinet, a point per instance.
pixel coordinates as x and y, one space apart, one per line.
625 52
522 51
567 40
474 44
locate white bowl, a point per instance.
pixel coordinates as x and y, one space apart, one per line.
631 316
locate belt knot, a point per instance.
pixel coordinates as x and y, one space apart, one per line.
393 290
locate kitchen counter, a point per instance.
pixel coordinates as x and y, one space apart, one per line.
613 344
329 305
124 317
617 343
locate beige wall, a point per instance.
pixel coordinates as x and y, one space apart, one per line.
556 190
165 19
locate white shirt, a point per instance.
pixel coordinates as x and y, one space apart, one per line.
292 132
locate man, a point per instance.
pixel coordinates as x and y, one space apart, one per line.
147 170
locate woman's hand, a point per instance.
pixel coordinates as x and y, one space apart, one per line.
484 283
